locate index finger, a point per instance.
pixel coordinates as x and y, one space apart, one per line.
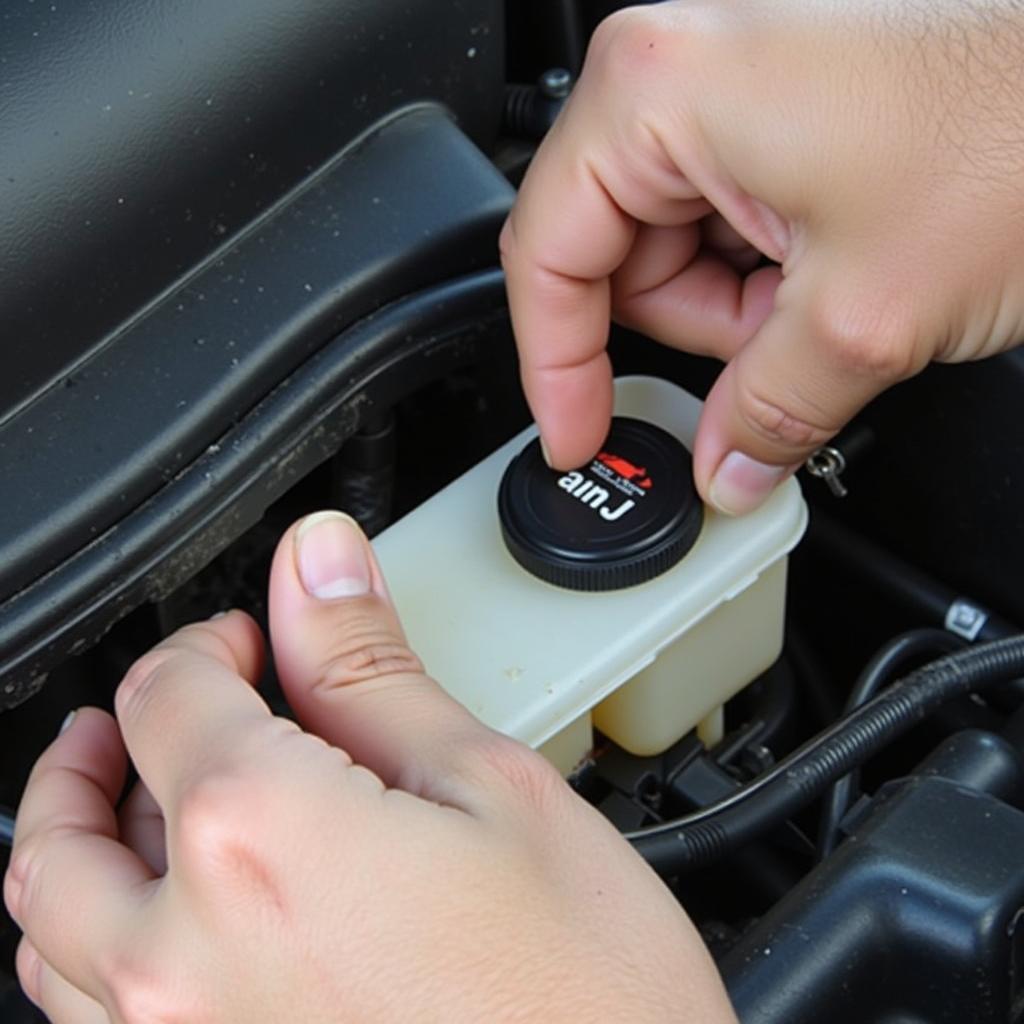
603 170
188 707
562 241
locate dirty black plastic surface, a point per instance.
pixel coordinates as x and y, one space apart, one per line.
929 887
414 203
217 497
138 136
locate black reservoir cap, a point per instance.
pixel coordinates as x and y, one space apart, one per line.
628 516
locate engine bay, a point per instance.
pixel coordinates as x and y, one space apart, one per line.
850 847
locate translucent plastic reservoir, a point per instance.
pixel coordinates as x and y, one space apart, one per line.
645 664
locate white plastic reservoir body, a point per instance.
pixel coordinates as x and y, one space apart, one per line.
542 664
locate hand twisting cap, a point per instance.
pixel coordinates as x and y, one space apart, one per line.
628 516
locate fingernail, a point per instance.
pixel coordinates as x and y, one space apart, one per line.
547 455
66 724
220 615
741 484
331 556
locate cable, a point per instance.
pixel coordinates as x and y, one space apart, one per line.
890 658
888 574
707 835
6 829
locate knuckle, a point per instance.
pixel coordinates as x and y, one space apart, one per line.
776 425
139 994
24 878
363 653
214 816
507 243
370 660
525 773
29 968
142 677
225 836
625 40
13 886
869 339
603 38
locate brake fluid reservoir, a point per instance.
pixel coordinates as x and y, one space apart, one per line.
605 597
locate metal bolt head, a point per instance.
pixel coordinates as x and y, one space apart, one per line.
556 83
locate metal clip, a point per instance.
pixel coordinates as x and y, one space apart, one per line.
829 464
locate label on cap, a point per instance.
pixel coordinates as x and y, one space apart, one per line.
631 481
623 518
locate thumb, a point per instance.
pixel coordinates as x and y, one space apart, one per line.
820 356
348 674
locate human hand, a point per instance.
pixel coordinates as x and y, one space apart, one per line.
395 861
875 151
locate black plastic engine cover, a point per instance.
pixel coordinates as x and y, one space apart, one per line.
916 919
414 203
196 198
137 137
108 478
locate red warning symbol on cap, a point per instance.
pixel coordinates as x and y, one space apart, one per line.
626 469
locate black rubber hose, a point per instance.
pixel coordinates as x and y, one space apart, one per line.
363 474
891 658
707 835
928 598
